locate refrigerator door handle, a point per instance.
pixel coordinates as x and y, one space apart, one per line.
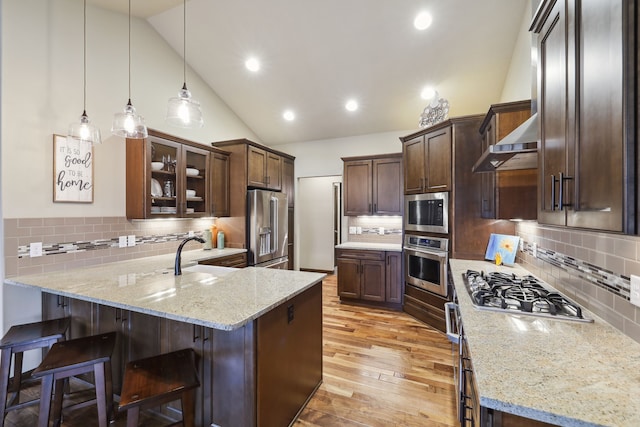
274 225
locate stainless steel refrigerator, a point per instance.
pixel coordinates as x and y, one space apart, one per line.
267 233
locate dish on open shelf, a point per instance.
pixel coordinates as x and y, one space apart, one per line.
156 188
192 172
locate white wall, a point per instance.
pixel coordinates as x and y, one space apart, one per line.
517 85
42 81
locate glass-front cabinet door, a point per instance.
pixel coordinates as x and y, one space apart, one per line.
196 185
165 156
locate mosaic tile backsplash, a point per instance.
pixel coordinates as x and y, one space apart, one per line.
592 268
374 229
78 242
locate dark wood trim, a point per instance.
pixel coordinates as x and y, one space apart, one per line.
503 108
441 125
173 138
249 142
376 156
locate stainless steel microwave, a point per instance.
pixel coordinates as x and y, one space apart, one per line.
427 212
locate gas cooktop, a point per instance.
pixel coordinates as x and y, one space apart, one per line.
514 294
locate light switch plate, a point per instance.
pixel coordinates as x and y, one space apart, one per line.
35 249
352 230
191 233
131 240
122 241
635 290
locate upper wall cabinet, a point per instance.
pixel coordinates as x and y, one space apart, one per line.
265 169
373 185
586 99
507 194
171 177
427 162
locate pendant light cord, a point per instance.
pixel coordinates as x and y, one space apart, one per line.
184 42
129 51
84 66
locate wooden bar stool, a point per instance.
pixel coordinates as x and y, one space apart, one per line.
71 358
157 380
17 340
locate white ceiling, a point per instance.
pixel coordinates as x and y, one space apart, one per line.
316 54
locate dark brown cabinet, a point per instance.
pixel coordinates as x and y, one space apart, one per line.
219 184
236 261
427 161
368 275
372 185
265 169
171 177
288 187
508 194
585 113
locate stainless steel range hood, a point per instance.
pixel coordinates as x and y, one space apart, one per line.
518 150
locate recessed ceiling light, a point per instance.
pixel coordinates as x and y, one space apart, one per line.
351 105
422 21
252 64
428 93
289 115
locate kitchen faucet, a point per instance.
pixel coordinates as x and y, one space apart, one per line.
178 269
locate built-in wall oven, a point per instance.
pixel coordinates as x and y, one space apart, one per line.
425 262
427 212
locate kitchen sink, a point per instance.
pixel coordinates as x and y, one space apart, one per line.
209 269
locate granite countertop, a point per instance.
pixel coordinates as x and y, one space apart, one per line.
226 301
390 247
557 371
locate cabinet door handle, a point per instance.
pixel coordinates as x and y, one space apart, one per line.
561 204
375 207
369 207
195 333
439 186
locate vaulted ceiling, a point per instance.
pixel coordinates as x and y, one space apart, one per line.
317 54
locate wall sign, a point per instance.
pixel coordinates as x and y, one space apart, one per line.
72 170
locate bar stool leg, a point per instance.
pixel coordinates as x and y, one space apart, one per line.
188 408
101 397
133 414
17 376
5 365
58 395
45 400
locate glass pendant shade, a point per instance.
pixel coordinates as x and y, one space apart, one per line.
184 111
83 130
129 124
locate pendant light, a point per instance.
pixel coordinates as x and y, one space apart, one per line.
184 111
129 124
84 130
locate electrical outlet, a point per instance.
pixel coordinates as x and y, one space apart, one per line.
35 249
358 230
122 241
381 231
352 230
131 240
635 290
534 249
191 233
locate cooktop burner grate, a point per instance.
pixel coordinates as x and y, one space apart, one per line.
506 292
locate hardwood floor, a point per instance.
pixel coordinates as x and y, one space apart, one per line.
380 368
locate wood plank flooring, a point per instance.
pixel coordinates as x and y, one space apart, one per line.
380 368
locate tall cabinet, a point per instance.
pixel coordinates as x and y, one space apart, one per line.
255 166
586 97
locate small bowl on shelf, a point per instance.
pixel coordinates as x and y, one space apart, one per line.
157 166
191 210
191 193
193 172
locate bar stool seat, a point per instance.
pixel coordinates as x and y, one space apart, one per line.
157 380
71 358
17 340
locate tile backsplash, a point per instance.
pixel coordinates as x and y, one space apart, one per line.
374 229
592 268
81 241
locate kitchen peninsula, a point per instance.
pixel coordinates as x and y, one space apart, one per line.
258 331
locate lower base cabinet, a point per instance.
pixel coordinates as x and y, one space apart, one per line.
370 276
258 375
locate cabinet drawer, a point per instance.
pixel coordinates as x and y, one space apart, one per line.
360 254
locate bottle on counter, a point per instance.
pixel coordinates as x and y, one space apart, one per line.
214 234
220 240
207 239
